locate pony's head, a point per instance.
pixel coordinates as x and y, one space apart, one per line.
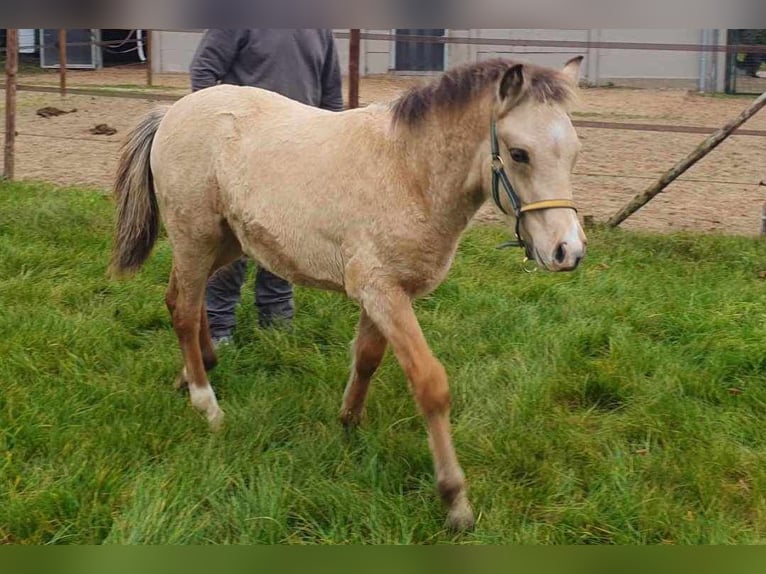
537 148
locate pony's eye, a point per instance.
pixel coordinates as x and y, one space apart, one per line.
519 155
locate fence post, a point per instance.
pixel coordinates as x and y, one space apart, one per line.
62 61
353 70
11 70
148 51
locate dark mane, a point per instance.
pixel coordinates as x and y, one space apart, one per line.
461 85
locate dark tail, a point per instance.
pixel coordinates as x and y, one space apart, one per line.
137 214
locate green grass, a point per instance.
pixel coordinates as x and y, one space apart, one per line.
622 403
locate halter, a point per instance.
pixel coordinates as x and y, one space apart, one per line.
499 176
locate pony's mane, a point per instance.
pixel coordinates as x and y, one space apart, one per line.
461 85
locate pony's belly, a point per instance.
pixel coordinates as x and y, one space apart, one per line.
319 266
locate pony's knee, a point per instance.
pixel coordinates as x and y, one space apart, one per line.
432 390
434 401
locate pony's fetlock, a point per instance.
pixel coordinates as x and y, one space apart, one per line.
454 494
182 381
203 399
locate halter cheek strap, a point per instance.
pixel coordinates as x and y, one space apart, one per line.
500 177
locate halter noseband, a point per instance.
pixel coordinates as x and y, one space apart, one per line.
499 176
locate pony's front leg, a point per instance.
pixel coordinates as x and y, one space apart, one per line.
391 310
369 348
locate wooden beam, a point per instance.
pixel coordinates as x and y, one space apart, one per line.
11 71
353 69
708 145
62 61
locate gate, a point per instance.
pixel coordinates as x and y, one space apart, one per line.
746 68
419 56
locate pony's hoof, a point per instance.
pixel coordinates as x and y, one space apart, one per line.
350 419
460 518
215 420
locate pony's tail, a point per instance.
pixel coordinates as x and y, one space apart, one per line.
138 221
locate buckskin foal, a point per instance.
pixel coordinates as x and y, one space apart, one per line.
370 202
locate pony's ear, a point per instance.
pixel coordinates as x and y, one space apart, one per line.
512 85
572 69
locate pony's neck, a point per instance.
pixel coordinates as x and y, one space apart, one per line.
443 155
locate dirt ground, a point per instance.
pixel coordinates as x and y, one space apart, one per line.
721 193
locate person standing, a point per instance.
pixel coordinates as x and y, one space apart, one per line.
301 64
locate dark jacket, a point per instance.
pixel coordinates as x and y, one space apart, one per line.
301 64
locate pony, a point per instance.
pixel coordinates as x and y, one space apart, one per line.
370 202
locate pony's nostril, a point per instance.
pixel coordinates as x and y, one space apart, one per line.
561 253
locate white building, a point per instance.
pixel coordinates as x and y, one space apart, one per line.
173 51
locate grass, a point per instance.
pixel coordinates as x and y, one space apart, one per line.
623 403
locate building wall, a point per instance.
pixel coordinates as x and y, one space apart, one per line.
173 51
377 56
543 56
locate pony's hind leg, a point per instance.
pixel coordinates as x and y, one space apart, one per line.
188 284
392 312
209 358
228 251
368 350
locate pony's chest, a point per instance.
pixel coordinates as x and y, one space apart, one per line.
426 272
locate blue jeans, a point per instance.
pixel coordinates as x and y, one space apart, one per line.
273 297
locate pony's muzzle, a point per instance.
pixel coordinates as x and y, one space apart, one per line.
567 255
